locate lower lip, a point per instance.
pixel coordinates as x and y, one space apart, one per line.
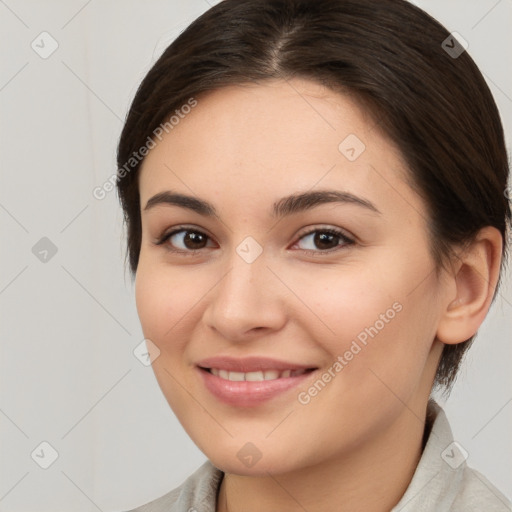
249 393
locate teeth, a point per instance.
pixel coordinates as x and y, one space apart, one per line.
255 376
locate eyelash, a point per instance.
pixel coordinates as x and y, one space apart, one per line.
332 231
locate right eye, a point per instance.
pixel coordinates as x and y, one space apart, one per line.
184 240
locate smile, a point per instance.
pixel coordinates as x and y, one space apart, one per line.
255 376
251 381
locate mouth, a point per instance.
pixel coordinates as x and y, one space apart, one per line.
256 376
250 382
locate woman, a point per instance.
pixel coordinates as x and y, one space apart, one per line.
314 194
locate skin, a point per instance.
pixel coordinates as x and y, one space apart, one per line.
356 443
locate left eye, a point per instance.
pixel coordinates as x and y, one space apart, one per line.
325 239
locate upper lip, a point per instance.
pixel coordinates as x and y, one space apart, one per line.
250 364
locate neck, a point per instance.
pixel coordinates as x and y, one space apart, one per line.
373 477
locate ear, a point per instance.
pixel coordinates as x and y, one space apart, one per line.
475 277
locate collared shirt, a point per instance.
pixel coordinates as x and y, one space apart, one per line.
442 482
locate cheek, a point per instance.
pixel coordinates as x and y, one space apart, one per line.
373 317
165 307
348 301
147 292
376 358
163 299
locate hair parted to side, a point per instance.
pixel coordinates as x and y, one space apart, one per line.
388 55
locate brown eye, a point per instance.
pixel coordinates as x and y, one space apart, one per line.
184 240
194 240
323 240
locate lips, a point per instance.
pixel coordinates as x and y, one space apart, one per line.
257 376
250 381
250 364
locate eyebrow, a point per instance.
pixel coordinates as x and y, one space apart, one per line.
286 206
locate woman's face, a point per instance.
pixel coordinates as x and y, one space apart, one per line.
336 290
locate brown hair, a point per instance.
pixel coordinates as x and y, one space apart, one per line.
430 101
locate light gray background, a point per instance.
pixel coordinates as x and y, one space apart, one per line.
69 326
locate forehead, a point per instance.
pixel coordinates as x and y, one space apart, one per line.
263 140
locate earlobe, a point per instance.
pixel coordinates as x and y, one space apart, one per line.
475 278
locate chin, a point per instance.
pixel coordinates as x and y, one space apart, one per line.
249 460
261 468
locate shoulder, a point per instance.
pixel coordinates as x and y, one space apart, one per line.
198 493
476 493
443 481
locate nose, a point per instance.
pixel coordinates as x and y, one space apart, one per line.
247 301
